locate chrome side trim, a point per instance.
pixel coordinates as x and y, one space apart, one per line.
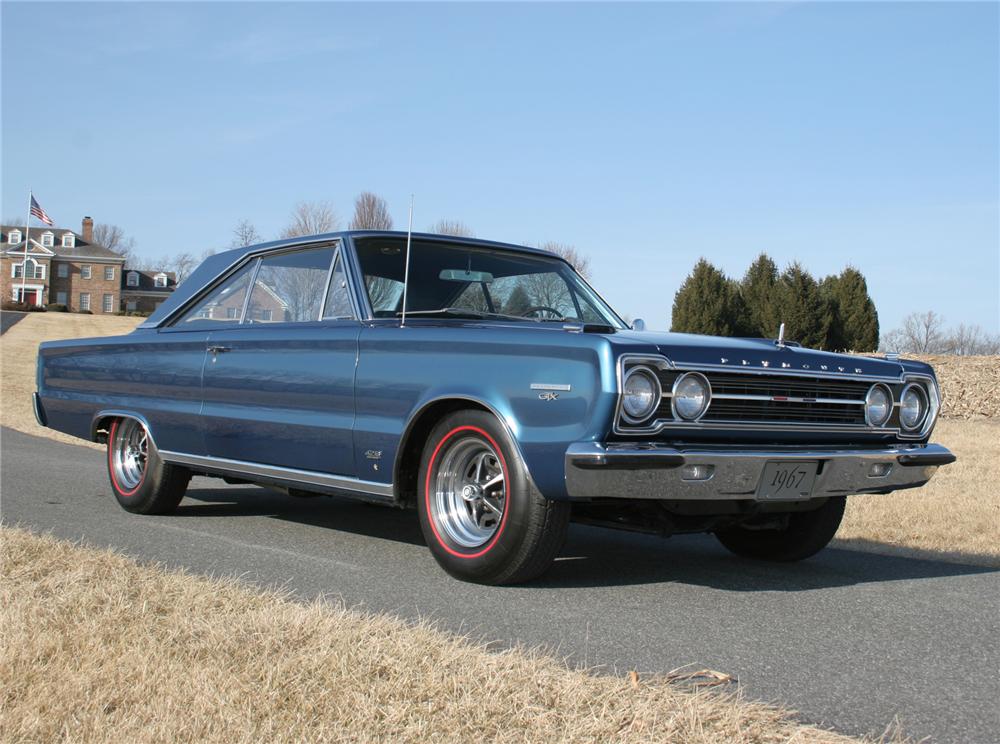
275 472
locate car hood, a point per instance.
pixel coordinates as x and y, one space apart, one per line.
684 349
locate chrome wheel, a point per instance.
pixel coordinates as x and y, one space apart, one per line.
129 453
469 492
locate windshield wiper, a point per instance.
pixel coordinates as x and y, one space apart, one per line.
461 312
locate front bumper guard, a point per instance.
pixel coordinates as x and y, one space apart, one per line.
654 471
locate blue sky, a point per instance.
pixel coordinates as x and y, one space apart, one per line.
647 135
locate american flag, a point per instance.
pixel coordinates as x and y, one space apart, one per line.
37 211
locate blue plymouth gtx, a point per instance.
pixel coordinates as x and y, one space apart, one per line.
508 399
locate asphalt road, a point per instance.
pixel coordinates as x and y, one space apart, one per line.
8 318
848 639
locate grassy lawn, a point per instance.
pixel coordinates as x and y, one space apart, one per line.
97 648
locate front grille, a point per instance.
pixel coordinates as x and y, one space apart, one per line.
777 399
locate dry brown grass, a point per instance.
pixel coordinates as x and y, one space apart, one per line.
19 355
956 515
97 648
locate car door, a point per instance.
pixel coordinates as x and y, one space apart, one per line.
278 387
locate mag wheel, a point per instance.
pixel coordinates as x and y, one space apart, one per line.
803 535
479 513
141 481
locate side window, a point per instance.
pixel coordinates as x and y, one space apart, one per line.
223 305
289 287
338 299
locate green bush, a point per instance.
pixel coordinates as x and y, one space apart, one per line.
57 307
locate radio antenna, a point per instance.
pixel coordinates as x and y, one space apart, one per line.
406 270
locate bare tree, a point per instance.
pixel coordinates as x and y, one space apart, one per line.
576 259
972 340
114 239
921 333
452 227
183 264
311 218
371 212
245 234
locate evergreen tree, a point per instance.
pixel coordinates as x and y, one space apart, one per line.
707 302
758 291
805 311
855 319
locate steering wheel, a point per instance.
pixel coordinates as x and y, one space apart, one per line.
535 309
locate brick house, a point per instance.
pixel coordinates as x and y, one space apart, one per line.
62 267
143 291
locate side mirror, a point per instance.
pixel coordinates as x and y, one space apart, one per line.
638 324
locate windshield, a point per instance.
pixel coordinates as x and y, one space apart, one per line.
471 281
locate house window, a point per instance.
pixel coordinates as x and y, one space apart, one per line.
14 237
109 303
109 273
68 240
160 280
267 315
85 271
132 280
85 300
61 298
230 312
47 240
62 270
33 270
131 305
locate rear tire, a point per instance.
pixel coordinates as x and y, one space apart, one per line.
141 481
481 516
806 534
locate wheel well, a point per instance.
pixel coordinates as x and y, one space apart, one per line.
101 427
412 446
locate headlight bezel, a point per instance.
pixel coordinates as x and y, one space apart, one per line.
922 420
673 396
640 369
889 400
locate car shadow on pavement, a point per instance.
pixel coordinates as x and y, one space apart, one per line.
331 512
599 557
592 556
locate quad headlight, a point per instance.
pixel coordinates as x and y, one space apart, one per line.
640 394
913 407
878 405
691 396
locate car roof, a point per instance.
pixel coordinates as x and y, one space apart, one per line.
218 263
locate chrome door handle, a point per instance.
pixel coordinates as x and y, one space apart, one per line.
213 350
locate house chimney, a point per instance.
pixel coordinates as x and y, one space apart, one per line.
88 230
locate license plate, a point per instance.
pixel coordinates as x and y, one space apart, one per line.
787 480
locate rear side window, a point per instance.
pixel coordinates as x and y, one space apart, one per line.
290 287
223 306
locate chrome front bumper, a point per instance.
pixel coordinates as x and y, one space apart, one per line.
654 471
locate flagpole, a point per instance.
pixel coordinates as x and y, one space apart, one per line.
27 234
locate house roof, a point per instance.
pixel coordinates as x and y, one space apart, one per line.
147 281
81 249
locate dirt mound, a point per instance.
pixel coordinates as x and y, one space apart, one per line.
970 385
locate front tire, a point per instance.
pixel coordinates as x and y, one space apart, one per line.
141 481
483 520
804 535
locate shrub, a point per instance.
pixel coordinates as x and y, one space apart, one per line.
57 307
22 307
83 312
